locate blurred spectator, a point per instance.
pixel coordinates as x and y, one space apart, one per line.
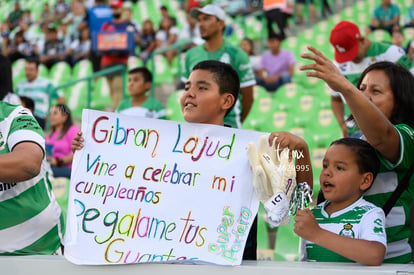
6 80
14 17
191 31
46 16
279 14
146 40
232 7
386 16
40 90
28 103
246 45
59 140
127 15
27 17
61 10
398 39
165 14
409 20
190 4
116 57
298 10
19 48
95 17
73 19
276 66
53 49
166 36
79 49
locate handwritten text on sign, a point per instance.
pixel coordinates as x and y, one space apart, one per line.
145 190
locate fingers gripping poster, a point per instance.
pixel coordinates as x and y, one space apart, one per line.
145 190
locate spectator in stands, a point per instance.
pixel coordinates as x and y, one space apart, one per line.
34 218
61 9
19 48
146 40
139 103
353 53
409 20
79 49
191 31
246 45
188 5
211 23
165 14
381 104
95 17
275 13
59 139
6 80
116 57
276 65
385 16
14 17
345 227
40 90
27 17
298 10
47 16
74 18
53 49
166 36
127 15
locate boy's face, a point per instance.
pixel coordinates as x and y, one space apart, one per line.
340 179
273 44
136 85
202 102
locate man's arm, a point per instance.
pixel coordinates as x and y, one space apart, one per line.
22 163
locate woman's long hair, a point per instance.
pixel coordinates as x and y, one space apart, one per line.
68 122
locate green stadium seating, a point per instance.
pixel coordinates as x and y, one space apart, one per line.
173 107
287 243
101 98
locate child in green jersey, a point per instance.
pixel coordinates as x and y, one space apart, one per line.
345 227
139 103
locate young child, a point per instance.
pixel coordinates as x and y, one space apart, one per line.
345 227
211 92
140 104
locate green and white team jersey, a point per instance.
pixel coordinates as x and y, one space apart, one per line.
352 71
151 108
42 92
398 219
227 54
31 220
361 220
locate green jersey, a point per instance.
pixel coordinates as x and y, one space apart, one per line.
398 219
30 217
360 220
151 108
352 71
42 92
227 54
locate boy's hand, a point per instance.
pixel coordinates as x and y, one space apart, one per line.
273 179
306 225
77 142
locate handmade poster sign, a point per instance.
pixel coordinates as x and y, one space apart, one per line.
145 190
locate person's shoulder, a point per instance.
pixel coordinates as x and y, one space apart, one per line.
155 102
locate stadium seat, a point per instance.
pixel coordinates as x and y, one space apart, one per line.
162 71
287 243
81 69
60 73
101 98
134 62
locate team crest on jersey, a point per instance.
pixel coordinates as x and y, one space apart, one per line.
347 231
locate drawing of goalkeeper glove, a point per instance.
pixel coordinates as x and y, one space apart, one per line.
274 179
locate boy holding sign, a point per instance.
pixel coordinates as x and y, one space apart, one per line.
210 94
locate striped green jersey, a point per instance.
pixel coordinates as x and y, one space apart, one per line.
29 214
360 220
151 108
376 53
398 219
227 54
41 91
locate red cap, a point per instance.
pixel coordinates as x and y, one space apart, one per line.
345 39
116 4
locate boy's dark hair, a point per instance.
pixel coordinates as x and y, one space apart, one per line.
33 60
146 74
401 84
27 102
6 77
276 36
366 156
224 75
